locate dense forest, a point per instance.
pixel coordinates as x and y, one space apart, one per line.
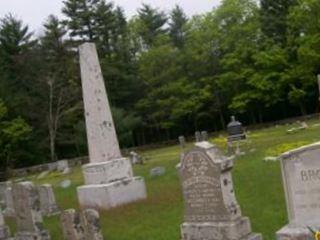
166 74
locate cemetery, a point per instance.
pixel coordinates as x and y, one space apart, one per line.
173 174
210 188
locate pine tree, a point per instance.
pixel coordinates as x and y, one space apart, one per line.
152 24
177 23
81 18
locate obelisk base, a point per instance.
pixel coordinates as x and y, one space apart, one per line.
229 230
110 195
294 233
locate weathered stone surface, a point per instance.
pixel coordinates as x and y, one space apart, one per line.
182 141
65 183
48 205
197 135
71 225
110 171
62 165
211 209
28 216
83 225
105 196
109 177
4 229
135 158
101 134
204 136
157 171
3 188
9 210
301 178
297 233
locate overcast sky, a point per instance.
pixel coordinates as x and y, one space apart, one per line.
34 12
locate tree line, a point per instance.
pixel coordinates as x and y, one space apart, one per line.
166 74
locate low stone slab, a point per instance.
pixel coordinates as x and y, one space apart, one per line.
106 196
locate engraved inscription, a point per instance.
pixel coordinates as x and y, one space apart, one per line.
202 189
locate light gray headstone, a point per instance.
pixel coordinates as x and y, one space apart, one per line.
182 142
102 139
84 225
9 210
4 229
48 205
197 135
211 208
28 215
301 180
204 136
301 177
62 165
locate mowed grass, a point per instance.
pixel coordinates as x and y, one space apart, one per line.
258 187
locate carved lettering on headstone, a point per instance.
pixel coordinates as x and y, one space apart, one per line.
202 189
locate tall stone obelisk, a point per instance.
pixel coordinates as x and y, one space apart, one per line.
109 179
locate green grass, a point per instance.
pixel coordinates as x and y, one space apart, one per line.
258 187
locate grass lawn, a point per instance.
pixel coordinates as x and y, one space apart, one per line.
257 183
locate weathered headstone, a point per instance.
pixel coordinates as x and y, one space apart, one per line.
9 210
3 188
301 179
182 141
108 177
62 165
204 136
157 171
4 229
197 135
28 215
48 205
83 225
211 208
135 158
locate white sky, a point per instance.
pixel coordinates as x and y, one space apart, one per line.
35 12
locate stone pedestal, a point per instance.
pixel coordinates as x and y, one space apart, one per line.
294 233
110 184
238 229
